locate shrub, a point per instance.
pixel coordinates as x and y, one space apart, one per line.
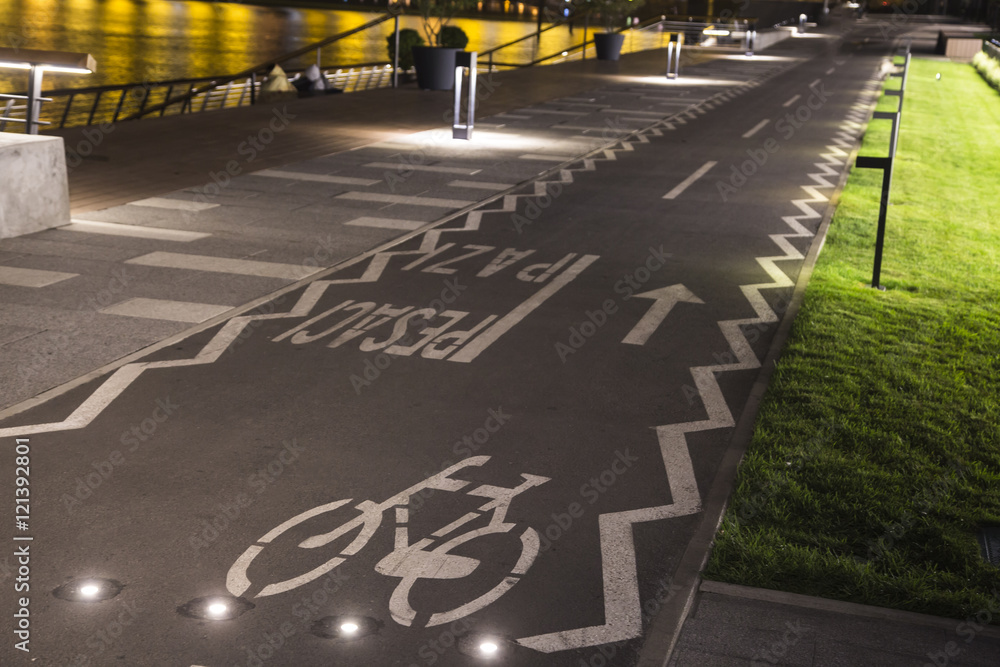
437 13
452 37
988 67
408 38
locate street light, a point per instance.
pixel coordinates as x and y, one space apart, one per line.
38 62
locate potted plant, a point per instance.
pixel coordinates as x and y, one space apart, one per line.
435 62
408 38
613 13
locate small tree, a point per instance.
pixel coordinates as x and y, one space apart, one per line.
437 13
613 12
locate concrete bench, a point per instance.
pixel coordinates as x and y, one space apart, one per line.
34 194
958 45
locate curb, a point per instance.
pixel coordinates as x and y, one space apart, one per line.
664 631
839 607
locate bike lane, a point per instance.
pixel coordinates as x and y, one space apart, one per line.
536 416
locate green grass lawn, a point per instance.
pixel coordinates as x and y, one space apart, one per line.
876 454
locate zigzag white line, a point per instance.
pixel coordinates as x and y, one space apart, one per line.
621 592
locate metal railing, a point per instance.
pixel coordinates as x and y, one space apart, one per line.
886 164
112 103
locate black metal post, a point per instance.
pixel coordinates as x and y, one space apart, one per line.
885 164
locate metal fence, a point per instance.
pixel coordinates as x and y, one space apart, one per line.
74 107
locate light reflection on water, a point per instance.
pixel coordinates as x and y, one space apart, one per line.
138 40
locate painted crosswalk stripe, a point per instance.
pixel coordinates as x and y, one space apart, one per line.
634 113
544 158
756 128
390 145
480 185
404 167
793 100
554 112
405 199
11 275
173 204
162 309
316 178
686 183
242 267
587 128
386 223
580 104
135 231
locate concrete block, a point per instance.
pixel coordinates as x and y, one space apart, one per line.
34 194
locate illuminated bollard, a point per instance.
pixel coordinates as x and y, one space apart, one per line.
464 60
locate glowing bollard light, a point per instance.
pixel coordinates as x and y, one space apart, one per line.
37 63
464 60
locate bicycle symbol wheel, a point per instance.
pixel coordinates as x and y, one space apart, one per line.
411 563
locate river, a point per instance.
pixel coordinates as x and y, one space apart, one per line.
139 40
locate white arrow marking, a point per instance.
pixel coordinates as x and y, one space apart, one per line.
665 299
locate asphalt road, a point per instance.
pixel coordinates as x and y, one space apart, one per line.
498 429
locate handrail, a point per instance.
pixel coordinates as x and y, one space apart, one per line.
60 92
194 92
564 21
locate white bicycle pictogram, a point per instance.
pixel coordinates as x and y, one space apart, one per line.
410 562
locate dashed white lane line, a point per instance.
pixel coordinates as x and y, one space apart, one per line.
513 116
402 166
544 158
242 267
173 204
686 183
386 223
814 83
830 71
480 185
135 231
756 128
10 275
162 309
793 100
315 178
405 199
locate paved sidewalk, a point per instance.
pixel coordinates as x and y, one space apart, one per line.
732 626
123 277
167 236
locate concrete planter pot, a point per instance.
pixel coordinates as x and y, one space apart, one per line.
435 67
608 45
